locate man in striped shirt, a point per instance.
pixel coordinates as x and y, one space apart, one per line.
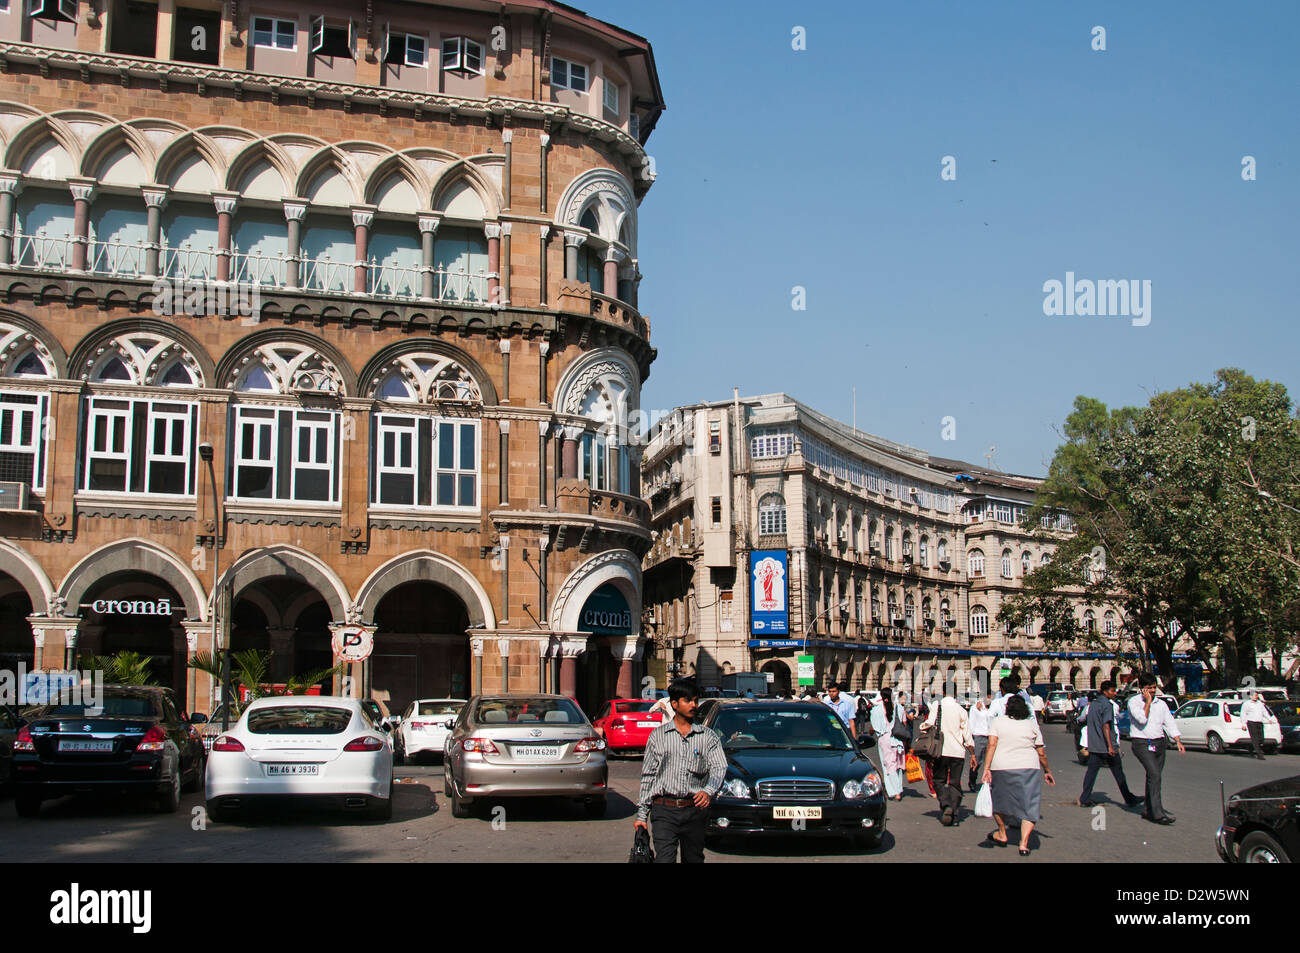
682 772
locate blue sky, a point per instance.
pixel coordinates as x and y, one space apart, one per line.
821 169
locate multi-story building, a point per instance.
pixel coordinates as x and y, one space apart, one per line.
347 292
896 562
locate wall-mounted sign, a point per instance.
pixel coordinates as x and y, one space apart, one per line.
352 643
807 669
606 613
768 609
132 606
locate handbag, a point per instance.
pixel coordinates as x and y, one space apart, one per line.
929 740
984 802
901 731
641 852
914 770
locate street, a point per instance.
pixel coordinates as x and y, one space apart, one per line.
423 830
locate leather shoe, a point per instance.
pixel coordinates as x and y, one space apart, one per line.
1089 803
1166 820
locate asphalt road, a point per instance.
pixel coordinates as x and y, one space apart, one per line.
423 830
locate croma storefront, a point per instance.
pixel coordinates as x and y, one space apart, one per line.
605 670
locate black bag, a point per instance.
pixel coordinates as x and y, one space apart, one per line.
901 731
641 852
929 741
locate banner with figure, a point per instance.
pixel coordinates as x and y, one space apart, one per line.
768 609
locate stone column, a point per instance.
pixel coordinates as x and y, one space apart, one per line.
225 203
569 652
428 228
155 197
10 186
506 228
542 427
493 232
541 260
362 216
53 636
503 646
572 242
82 191
507 137
626 652
294 213
543 349
504 346
614 473
612 257
503 426
569 451
476 663
197 634
546 142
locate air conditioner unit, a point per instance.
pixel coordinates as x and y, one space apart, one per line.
913 490
14 496
907 558
844 535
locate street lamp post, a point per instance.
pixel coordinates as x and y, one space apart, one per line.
843 607
207 455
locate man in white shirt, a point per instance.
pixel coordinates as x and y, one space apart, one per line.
1150 722
956 746
1254 713
980 718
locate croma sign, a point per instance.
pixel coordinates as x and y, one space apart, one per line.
132 607
606 613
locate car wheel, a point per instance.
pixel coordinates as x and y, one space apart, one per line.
1258 847
169 801
459 806
196 781
27 805
594 808
1215 744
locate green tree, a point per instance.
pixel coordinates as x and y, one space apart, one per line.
123 668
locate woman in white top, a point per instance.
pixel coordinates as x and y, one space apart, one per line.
1016 768
884 714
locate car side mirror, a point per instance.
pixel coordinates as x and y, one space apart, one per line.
198 718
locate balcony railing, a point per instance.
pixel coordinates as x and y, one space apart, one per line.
182 261
44 253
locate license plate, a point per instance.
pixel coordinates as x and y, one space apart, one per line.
797 813
536 752
273 770
85 746
647 724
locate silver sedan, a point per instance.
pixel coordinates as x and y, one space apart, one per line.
524 745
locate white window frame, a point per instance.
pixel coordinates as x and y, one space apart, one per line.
923 552
456 55
1026 563
567 82
246 415
458 425
250 417
316 36
975 563
392 35
62 10
275 33
1006 564
95 418
178 413
182 416
772 518
322 431
979 621
609 86
1004 512
38 411
399 426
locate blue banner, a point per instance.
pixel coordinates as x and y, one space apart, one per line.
769 612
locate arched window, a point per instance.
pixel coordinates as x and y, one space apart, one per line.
909 611
771 515
1025 563
907 546
1108 621
23 451
889 543
1089 622
942 551
1046 558
923 550
460 263
894 617
975 563
979 621
943 608
876 616
1006 564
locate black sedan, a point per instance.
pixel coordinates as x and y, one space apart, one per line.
10 722
1261 825
134 741
792 767
1288 719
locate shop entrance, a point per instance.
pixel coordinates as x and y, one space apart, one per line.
124 612
421 649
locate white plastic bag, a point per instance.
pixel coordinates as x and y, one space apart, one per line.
984 802
1083 737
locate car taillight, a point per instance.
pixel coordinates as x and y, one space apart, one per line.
419 724
1227 715
364 743
617 723
155 739
227 743
481 745
24 740
590 744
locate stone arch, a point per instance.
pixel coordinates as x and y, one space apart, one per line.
18 114
611 196
397 164
232 361
84 355
118 136
618 567
135 555
38 130
18 563
18 332
168 168
373 370
261 150
594 366
427 566
323 160
293 563
472 176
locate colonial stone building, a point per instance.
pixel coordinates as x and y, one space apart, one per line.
895 562
324 308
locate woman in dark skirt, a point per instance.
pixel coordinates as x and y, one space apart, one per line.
1017 767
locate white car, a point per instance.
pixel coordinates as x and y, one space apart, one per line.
302 746
1216 724
1240 694
424 727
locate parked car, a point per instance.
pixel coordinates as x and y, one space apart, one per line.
791 761
524 745
1288 719
1059 705
626 724
1261 824
377 711
424 727
1216 724
1241 694
137 741
10 722
314 747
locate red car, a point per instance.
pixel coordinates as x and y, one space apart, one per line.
626 724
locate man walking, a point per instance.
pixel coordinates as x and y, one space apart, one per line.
1103 737
1254 713
956 747
1150 723
980 718
682 772
843 706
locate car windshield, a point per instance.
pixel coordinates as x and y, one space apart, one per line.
519 711
811 727
119 706
1057 697
624 707
439 708
299 720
